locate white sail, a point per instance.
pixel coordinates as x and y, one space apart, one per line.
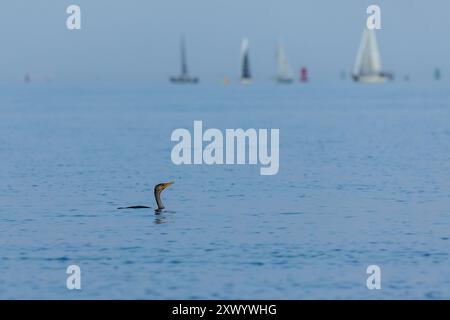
284 70
245 62
368 62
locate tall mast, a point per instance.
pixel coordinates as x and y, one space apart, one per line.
184 69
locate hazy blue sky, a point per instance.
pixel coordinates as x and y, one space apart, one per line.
137 40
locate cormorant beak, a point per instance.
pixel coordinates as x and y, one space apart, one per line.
165 185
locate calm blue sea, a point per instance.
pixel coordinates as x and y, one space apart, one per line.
364 179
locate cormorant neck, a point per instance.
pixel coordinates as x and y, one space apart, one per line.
158 200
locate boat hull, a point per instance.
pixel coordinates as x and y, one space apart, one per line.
376 78
284 80
182 80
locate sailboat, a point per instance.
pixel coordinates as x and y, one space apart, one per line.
437 74
368 62
246 77
184 76
27 78
284 74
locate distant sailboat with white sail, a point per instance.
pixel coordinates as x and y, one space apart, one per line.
246 77
184 76
368 62
284 74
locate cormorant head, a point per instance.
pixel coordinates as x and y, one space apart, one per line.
158 188
161 186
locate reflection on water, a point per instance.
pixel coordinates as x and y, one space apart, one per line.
160 220
161 216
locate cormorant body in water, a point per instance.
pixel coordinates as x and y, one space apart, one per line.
157 191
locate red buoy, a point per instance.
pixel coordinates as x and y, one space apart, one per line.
304 75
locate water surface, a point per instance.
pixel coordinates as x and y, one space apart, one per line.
363 180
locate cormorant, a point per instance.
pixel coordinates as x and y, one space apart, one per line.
157 191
